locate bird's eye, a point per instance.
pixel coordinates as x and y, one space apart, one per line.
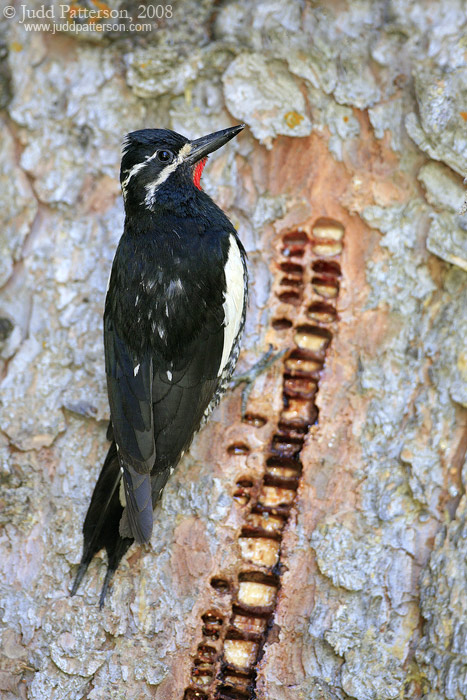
165 156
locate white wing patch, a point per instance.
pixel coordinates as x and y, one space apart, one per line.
108 282
233 300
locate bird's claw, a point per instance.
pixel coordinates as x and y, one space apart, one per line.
249 377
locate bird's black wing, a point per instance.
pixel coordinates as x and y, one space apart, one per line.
178 409
157 403
189 386
182 391
156 410
129 385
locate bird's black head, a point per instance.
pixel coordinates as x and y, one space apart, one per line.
158 162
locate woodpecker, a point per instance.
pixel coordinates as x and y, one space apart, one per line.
173 320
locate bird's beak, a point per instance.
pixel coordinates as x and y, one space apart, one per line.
202 147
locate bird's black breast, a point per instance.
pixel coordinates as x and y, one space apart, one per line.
168 283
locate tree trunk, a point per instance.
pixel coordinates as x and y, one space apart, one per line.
316 548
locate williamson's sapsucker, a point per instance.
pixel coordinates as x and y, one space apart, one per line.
174 316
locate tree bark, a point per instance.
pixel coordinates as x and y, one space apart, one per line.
315 548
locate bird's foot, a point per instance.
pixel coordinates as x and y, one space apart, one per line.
250 376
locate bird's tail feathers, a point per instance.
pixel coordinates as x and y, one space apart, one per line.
101 525
138 516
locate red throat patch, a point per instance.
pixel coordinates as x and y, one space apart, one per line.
198 172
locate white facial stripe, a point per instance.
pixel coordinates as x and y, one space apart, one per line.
135 169
151 188
168 170
233 301
184 151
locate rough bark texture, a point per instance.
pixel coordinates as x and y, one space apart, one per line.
356 112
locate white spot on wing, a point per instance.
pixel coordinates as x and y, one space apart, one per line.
233 300
122 494
169 375
175 287
148 285
136 370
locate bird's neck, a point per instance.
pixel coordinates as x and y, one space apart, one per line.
184 203
169 198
